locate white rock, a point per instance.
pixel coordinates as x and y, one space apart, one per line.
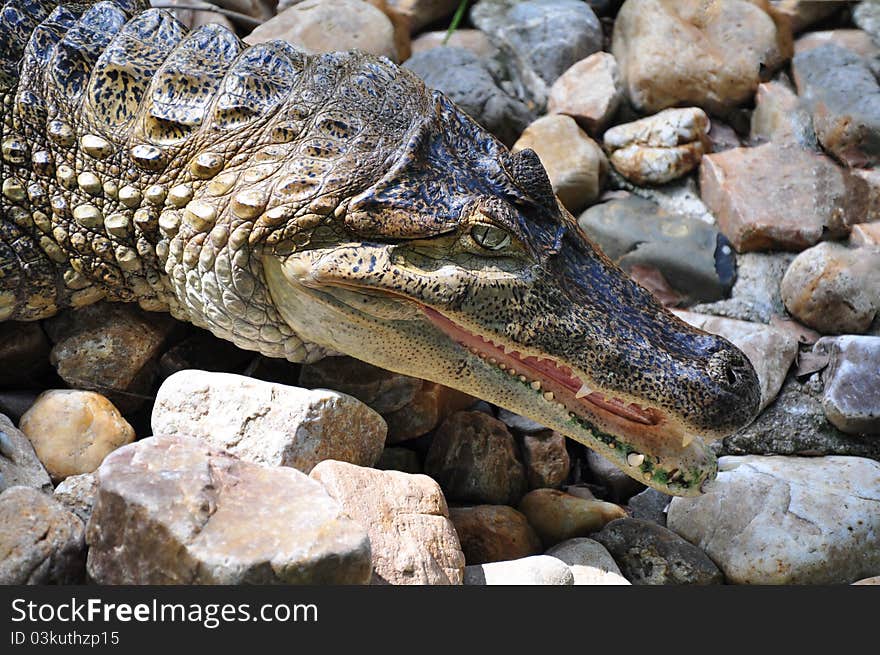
534 570
589 561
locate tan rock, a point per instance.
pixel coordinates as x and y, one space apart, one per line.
574 162
493 533
692 52
412 539
430 406
19 464
268 423
865 191
659 148
590 92
865 234
858 41
73 431
419 13
546 459
779 116
557 516
77 494
474 40
174 510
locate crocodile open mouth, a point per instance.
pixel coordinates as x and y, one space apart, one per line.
555 381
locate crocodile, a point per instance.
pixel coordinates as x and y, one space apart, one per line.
307 205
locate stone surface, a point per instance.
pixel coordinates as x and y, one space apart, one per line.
380 390
412 539
834 289
268 423
589 561
15 403
770 350
659 148
472 84
865 183
681 196
590 92
399 459
73 431
867 16
787 520
40 541
865 234
493 533
858 41
557 516
419 13
519 424
781 117
689 53
77 494
175 510
618 486
205 352
19 464
430 406
546 459
469 39
535 570
574 162
649 554
317 26
637 233
844 96
650 505
800 14
475 459
764 198
871 581
851 398
24 354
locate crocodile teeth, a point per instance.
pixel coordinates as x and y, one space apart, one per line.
583 391
686 440
635 459
548 395
536 385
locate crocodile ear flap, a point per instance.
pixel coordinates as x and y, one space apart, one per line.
530 177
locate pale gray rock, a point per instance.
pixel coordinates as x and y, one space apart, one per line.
77 494
19 464
589 561
534 570
851 398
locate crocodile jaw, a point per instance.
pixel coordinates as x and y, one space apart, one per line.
406 341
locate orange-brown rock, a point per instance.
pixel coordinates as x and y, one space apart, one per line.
429 407
493 533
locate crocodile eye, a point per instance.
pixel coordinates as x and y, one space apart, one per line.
490 237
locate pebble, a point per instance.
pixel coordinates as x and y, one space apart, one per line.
399 459
475 460
589 561
77 494
534 570
865 234
851 397
476 41
19 464
268 423
24 354
493 533
412 540
718 52
858 41
780 116
73 431
787 520
866 15
649 505
546 459
317 26
430 406
40 541
659 148
557 516
574 162
834 289
649 554
175 510
590 92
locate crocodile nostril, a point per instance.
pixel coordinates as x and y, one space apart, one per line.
731 374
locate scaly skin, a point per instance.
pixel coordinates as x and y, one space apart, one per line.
301 205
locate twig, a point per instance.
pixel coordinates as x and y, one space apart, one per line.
195 5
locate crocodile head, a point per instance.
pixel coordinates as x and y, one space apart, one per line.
460 266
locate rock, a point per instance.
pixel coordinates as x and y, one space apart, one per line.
268 423
770 350
650 505
833 289
193 19
865 184
589 561
680 196
779 116
535 570
557 516
475 41
865 234
637 233
851 398
540 39
719 50
399 459
15 403
430 406
574 162
546 459
175 510
205 352
40 541
19 464
317 26
787 520
109 348
493 533
722 136
659 148
77 494
474 458
24 354
419 13
519 424
73 431
800 14
649 554
867 16
764 198
796 425
471 84
590 92
412 539
858 41
618 486
380 390
873 580
844 97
